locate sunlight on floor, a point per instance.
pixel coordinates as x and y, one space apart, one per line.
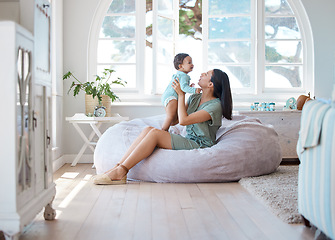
87 177
58 213
71 175
75 191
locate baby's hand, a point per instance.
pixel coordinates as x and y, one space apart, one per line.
192 85
198 90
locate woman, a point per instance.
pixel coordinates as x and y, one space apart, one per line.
202 117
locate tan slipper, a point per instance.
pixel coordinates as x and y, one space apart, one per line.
103 179
118 164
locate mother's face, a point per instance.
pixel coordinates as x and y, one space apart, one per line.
205 79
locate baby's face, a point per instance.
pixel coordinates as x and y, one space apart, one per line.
187 65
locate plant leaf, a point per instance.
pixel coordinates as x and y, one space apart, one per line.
76 89
101 85
67 75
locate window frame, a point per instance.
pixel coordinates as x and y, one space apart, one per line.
241 97
97 21
155 40
205 22
308 55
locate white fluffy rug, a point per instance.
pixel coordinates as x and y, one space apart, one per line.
278 191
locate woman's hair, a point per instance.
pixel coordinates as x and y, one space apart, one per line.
222 91
178 59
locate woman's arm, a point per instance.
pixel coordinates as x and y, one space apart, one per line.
183 117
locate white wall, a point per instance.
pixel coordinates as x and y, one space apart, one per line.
77 17
57 82
321 16
77 20
27 14
10 11
19 11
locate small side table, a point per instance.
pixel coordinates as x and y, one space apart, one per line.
95 123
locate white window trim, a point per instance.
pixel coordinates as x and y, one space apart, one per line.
156 41
140 44
93 36
308 43
253 84
205 34
243 99
95 27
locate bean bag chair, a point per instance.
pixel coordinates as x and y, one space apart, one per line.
245 147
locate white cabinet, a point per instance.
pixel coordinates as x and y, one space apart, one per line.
286 124
42 38
26 183
42 149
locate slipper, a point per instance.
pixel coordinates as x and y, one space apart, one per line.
103 179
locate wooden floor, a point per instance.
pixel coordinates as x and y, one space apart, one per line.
142 210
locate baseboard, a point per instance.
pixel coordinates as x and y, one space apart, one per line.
68 158
85 158
57 164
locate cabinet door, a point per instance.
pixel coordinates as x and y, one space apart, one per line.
42 33
24 120
43 168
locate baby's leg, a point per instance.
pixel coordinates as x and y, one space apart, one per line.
171 114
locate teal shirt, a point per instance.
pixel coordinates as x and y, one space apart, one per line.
184 81
204 133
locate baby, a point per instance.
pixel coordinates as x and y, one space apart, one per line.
183 63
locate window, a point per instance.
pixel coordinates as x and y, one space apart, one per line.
283 46
265 46
117 45
230 41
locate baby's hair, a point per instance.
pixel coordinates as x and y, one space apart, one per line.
178 59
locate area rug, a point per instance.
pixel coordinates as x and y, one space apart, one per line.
278 191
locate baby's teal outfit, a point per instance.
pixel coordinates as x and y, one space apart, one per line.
199 135
184 81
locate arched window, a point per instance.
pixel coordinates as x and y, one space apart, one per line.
265 46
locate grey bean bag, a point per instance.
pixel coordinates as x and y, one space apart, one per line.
245 147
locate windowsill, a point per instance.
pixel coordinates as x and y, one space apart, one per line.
137 103
241 102
238 106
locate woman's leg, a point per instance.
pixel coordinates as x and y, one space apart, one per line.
171 114
154 138
132 146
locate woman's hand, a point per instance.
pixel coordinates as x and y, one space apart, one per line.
176 87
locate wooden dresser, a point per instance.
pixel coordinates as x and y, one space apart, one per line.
286 124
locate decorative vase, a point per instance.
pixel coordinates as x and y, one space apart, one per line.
91 103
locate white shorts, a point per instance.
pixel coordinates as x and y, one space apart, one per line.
168 99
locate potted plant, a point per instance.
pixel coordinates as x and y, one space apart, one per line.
98 93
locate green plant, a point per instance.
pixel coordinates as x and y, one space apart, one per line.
101 85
